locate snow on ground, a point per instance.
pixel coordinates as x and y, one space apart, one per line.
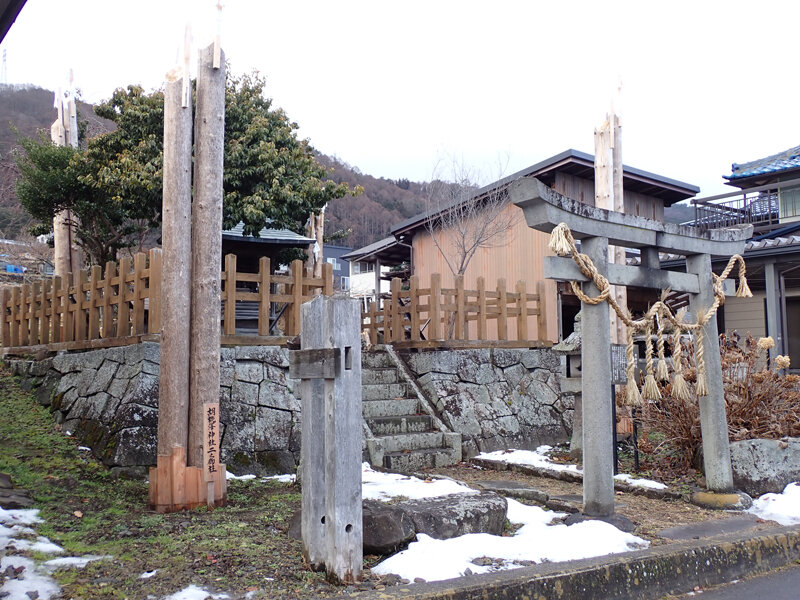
229 475
783 508
535 541
538 458
33 579
194 593
281 478
383 486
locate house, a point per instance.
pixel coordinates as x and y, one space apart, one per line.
270 243
372 266
520 256
334 255
769 199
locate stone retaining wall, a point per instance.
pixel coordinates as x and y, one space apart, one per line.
109 399
496 398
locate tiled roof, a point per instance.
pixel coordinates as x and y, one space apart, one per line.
267 235
783 161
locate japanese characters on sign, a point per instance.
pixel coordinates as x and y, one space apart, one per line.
211 441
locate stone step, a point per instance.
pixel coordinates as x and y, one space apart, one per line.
384 391
415 460
374 376
400 424
376 359
390 408
411 441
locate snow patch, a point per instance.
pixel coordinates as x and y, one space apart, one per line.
783 508
383 486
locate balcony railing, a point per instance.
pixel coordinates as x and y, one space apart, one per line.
766 207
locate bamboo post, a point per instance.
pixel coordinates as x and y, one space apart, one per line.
481 308
414 307
435 307
154 290
541 318
204 377
94 304
522 311
502 307
230 294
123 294
461 310
263 295
397 315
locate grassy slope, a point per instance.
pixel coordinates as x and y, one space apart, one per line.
241 547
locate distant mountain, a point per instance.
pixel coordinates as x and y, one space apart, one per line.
25 111
679 213
371 215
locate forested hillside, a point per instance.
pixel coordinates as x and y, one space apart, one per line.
25 111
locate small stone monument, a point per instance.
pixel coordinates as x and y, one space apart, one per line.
570 348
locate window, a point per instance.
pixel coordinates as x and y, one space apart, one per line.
789 203
363 267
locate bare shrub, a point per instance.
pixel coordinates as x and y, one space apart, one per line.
761 401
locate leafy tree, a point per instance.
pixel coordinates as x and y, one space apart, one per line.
114 187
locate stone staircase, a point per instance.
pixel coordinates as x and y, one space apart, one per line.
401 430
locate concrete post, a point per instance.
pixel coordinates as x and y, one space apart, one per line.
206 255
598 458
713 420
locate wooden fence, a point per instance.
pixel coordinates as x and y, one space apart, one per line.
434 314
121 303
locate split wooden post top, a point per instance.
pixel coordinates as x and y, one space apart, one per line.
329 368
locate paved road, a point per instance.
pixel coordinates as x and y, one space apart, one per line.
779 585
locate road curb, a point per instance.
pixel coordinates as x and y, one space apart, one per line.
641 575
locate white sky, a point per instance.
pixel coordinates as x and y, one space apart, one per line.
395 88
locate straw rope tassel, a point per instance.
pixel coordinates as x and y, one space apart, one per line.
651 391
632 396
679 388
662 373
560 240
743 291
701 387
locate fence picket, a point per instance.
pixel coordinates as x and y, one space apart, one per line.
230 295
522 311
154 291
139 263
263 295
502 305
94 304
541 317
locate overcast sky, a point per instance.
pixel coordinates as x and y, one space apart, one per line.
396 88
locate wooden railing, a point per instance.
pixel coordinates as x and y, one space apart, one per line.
436 314
121 302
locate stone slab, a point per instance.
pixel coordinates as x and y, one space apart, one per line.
703 529
514 489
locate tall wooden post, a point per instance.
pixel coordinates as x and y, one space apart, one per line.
329 367
63 132
206 255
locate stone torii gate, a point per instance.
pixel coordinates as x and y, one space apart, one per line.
544 209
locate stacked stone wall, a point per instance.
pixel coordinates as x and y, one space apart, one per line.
497 398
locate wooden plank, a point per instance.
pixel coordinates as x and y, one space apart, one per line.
139 264
123 306
386 321
460 315
470 344
481 308
154 288
36 292
106 312
211 441
414 307
397 326
435 326
522 311
373 323
230 295
86 345
327 278
59 308
263 295
502 305
254 340
5 310
81 307
14 322
24 321
314 363
94 302
541 314
297 298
